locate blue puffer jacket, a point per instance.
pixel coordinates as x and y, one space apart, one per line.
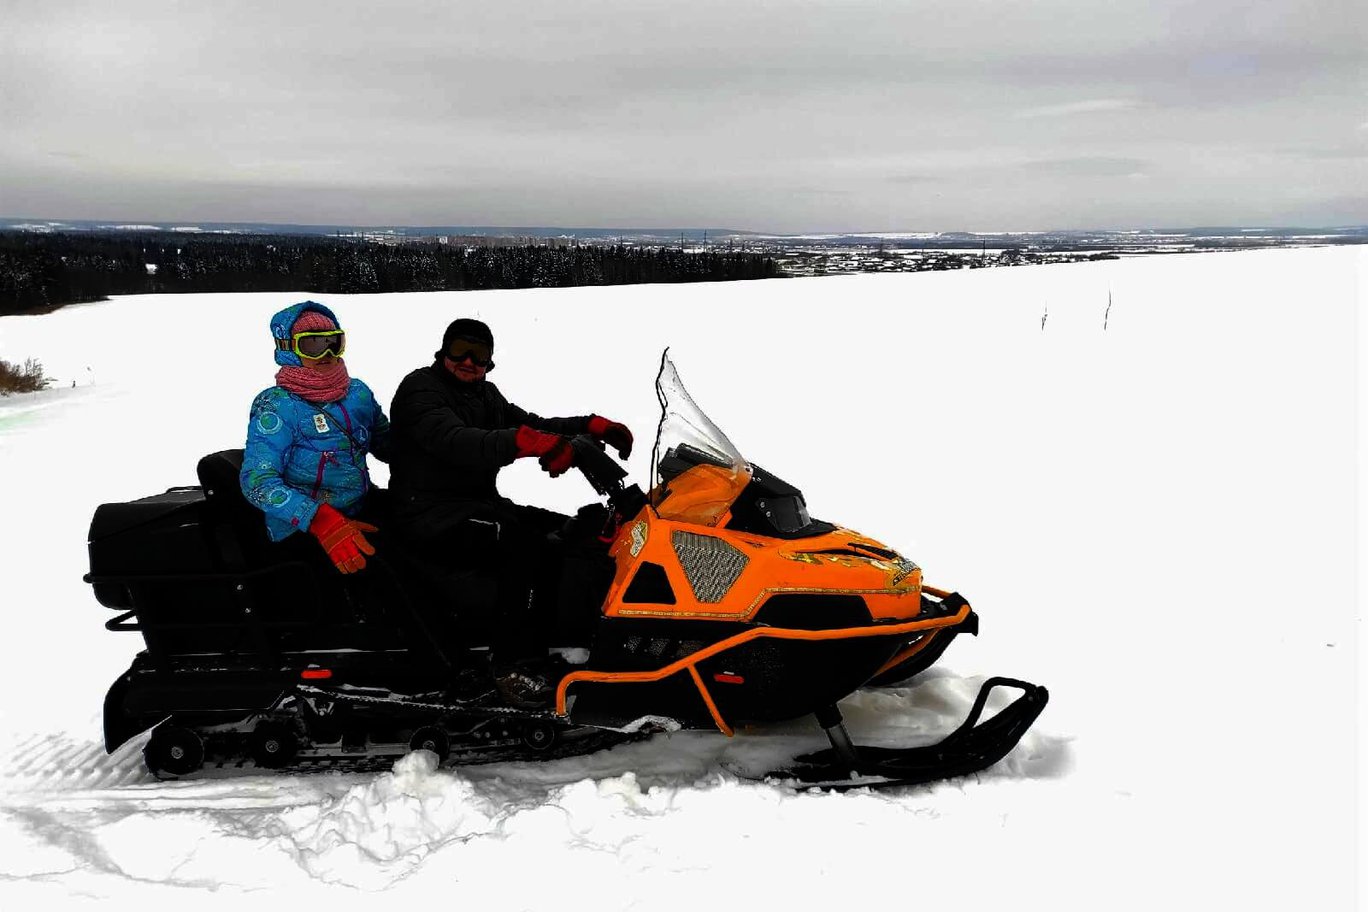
300 454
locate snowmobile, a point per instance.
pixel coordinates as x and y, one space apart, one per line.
711 601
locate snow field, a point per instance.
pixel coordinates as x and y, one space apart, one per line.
1156 521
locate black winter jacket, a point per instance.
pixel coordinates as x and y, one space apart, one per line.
450 438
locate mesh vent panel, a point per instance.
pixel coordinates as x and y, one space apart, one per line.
710 565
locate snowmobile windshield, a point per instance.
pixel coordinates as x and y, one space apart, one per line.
698 472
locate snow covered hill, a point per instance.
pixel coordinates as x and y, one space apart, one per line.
1156 520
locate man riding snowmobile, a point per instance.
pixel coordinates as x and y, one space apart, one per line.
453 432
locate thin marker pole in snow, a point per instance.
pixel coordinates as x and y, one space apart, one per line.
1106 316
1045 316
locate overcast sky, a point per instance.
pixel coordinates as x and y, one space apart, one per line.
775 116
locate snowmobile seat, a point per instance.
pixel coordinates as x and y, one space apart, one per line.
400 588
292 582
219 475
239 531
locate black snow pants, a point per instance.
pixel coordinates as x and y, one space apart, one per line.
498 569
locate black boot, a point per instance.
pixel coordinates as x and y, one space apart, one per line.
523 686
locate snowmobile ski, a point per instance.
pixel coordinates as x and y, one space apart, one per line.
970 748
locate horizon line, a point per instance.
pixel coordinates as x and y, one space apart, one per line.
22 222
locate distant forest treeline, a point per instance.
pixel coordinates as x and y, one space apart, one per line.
43 271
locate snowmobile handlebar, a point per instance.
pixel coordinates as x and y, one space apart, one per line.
606 476
598 468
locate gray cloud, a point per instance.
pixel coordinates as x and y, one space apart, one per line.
912 115
1071 108
1338 153
1088 167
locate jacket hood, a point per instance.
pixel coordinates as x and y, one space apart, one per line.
280 329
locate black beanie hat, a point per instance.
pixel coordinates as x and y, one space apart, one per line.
466 328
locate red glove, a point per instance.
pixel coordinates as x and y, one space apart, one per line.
612 433
342 538
554 451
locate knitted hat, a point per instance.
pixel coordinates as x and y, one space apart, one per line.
312 321
466 328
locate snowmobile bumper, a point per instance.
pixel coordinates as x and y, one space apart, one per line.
925 649
972 747
739 679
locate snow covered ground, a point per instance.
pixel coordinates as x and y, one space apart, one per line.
1156 520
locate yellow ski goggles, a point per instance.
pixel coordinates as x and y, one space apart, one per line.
315 345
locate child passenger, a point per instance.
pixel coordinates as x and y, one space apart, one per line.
305 460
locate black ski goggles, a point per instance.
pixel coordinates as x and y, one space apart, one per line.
315 345
480 354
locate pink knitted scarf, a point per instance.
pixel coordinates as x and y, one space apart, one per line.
315 384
